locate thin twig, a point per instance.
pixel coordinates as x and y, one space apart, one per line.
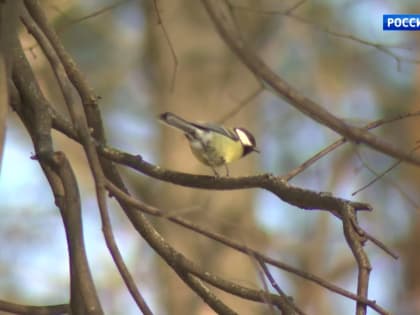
285 311
378 176
293 173
276 287
234 111
93 14
386 49
168 40
381 245
294 7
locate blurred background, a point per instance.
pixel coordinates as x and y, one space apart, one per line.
126 58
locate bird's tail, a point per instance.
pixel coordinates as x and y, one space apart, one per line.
177 122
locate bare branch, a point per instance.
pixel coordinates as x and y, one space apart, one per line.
355 242
36 117
168 40
209 297
293 173
220 15
386 49
93 14
266 290
79 121
20 309
301 198
9 18
83 296
275 285
126 198
294 7
241 105
380 175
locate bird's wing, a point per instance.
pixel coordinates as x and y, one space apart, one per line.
217 128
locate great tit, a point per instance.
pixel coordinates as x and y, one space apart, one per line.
212 144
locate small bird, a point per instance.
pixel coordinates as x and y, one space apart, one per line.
213 144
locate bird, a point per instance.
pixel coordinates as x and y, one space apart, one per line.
213 144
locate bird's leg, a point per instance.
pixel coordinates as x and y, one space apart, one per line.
227 169
215 172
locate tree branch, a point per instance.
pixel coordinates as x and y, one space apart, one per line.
20 309
301 198
126 198
37 120
356 241
9 18
79 121
219 12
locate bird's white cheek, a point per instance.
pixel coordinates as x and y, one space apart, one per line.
243 137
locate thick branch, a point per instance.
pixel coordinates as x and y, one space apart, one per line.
9 12
34 113
51 48
301 198
70 208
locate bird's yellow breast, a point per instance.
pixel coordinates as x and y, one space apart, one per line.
220 150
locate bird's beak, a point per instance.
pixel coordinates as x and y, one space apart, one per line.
256 150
